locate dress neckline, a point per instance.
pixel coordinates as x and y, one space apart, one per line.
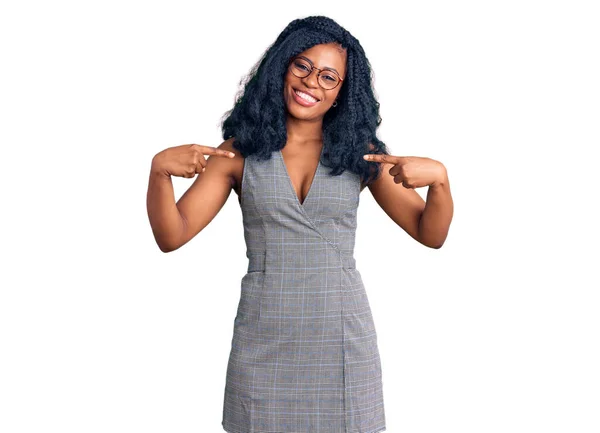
290 183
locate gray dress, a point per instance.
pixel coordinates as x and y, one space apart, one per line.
304 355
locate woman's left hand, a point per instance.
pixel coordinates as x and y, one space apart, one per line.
412 171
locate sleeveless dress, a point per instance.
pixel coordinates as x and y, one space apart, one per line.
304 355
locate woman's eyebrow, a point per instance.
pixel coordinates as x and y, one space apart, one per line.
311 62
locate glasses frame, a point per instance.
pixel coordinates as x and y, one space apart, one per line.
313 67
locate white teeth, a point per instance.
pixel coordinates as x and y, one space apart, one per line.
305 96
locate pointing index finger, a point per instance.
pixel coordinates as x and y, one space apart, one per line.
379 158
209 150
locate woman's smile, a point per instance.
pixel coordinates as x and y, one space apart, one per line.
304 99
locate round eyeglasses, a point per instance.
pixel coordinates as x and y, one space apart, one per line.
302 68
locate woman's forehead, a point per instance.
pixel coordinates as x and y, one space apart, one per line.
330 55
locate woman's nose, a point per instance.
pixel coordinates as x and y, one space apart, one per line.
312 79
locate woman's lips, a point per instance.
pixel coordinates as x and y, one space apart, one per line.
301 101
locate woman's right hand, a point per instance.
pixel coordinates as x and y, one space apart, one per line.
186 160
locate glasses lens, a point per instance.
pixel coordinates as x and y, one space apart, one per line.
328 80
300 68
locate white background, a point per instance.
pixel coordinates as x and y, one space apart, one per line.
497 331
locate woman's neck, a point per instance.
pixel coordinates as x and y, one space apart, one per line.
304 131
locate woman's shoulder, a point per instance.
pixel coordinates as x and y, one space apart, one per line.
235 165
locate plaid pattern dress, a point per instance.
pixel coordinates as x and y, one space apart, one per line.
304 355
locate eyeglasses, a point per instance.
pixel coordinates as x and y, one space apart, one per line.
302 68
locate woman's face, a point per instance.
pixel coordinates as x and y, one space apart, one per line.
322 56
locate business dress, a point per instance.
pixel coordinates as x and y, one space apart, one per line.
304 355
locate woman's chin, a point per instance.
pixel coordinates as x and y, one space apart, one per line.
301 113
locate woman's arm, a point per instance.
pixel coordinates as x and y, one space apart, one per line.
427 222
434 223
165 219
175 224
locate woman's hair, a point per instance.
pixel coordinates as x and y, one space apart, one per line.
258 119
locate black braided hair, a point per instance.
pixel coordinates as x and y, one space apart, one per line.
258 119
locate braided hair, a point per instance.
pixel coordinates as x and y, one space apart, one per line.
258 119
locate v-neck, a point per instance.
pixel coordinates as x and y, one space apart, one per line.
290 183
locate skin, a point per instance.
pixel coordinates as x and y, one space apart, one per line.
175 224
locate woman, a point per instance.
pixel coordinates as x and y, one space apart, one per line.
304 355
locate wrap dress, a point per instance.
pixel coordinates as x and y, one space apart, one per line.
304 355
